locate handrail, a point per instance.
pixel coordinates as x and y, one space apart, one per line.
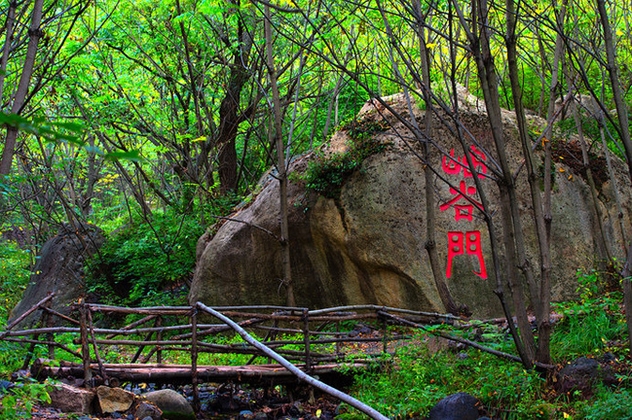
189 336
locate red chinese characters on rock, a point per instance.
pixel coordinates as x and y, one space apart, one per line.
464 203
468 243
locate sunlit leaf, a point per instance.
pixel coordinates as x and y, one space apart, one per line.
132 155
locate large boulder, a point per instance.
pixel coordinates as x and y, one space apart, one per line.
59 270
366 243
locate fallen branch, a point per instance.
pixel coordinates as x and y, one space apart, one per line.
369 411
465 341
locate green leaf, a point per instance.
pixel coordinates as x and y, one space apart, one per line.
132 155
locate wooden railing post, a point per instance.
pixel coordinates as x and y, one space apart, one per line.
85 345
47 320
194 357
95 345
159 338
385 334
308 361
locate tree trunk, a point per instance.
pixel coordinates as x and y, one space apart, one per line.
541 299
480 47
431 241
277 131
20 96
231 115
624 131
7 45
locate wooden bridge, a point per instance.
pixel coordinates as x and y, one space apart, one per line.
294 344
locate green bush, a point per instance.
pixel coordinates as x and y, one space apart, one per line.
139 263
15 271
591 325
326 174
17 402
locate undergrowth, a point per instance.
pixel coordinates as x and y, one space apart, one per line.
145 263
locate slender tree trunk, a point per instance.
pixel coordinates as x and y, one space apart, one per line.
7 45
543 318
424 138
624 130
431 242
542 299
481 50
230 114
20 95
280 160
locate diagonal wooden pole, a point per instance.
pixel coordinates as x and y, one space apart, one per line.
371 412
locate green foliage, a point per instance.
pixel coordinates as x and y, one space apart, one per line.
17 402
140 262
418 379
38 126
15 265
609 404
327 173
590 325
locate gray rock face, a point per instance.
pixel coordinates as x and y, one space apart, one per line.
368 244
59 269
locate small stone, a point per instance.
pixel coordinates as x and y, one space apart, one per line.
460 406
246 415
149 410
69 399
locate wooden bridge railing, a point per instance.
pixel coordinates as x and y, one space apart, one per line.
310 339
300 341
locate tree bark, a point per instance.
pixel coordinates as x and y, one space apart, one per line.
231 115
277 133
541 299
624 130
480 47
20 95
431 237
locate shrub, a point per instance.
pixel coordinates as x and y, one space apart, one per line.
326 174
17 402
591 325
15 271
138 263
